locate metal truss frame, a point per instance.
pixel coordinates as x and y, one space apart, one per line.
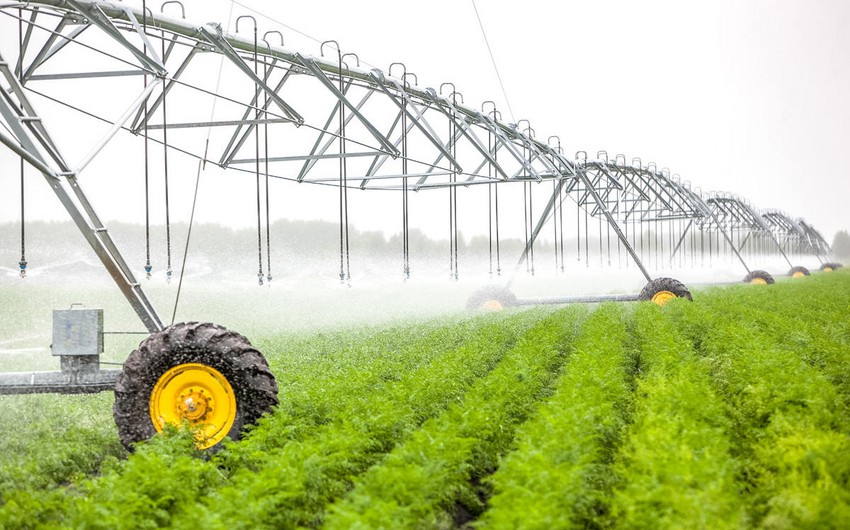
365 129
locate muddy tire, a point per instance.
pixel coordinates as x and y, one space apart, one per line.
491 298
196 372
662 290
798 272
759 277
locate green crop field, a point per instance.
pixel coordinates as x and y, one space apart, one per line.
728 412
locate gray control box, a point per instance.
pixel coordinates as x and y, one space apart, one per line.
77 331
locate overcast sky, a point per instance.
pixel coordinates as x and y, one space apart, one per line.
748 96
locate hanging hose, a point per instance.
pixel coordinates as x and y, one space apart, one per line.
266 167
148 267
405 205
531 225
168 271
498 242
619 243
23 263
601 259
257 169
490 224
490 202
453 272
578 225
496 199
344 249
586 230
562 231
525 222
405 224
453 228
344 179
554 222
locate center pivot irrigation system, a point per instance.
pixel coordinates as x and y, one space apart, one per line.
324 120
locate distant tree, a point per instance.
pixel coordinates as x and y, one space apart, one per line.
841 246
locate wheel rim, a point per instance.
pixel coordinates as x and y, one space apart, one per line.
492 305
827 269
798 274
199 395
758 281
662 297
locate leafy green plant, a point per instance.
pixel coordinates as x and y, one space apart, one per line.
425 481
676 417
559 476
789 427
675 469
292 485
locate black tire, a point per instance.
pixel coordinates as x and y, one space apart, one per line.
796 271
669 285
228 352
759 275
829 267
491 297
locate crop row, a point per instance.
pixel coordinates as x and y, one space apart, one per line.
430 480
298 481
812 322
46 441
256 484
731 411
674 468
558 476
789 426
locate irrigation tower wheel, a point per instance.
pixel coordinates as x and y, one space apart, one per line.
662 290
202 374
759 277
830 267
491 298
798 272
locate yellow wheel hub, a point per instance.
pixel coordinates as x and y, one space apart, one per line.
199 395
758 281
492 305
797 274
827 269
662 297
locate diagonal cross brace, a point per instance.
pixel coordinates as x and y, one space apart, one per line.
504 140
464 129
99 18
311 65
142 117
230 151
81 212
27 111
418 119
380 160
433 167
227 50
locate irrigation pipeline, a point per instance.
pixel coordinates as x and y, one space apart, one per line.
648 213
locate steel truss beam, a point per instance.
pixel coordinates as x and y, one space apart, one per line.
392 113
